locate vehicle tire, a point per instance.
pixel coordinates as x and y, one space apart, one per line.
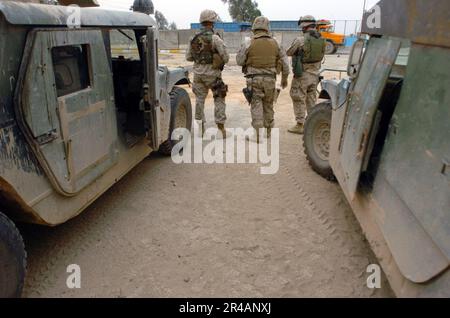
13 259
316 139
181 117
330 48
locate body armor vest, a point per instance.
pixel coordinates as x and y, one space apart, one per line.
263 53
313 51
314 48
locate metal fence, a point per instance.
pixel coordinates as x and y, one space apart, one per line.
347 27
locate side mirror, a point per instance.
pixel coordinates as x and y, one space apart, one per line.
356 55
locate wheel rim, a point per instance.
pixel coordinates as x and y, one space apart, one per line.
329 48
181 118
322 134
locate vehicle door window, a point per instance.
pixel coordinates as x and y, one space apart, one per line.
71 68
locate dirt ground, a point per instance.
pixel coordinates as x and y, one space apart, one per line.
169 230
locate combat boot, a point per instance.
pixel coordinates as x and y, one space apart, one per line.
298 129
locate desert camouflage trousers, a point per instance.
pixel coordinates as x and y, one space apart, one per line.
201 87
304 95
264 94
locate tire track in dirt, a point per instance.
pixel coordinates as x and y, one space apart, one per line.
344 235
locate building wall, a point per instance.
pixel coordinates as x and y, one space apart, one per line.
179 40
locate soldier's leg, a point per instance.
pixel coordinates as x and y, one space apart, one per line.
220 107
257 108
269 98
220 110
311 99
298 96
200 90
219 101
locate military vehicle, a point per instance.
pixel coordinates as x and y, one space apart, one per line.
334 40
74 118
384 135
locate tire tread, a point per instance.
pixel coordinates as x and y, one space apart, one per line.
11 235
325 173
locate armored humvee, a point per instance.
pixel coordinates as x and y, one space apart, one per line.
384 134
74 116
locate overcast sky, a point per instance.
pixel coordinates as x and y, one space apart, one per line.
184 12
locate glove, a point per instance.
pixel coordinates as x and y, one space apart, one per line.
284 82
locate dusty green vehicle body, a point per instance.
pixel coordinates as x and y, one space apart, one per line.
73 118
58 153
390 142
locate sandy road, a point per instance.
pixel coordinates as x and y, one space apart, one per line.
169 230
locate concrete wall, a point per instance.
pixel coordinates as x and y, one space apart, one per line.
287 38
184 37
234 40
169 40
173 40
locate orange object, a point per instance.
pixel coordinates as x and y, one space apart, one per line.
334 40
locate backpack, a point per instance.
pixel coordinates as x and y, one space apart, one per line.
202 47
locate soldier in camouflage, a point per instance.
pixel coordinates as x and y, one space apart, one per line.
307 52
209 54
262 59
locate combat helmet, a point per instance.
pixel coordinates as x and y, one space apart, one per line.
144 6
208 16
261 23
307 21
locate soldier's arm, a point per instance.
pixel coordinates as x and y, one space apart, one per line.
285 70
221 49
296 45
189 56
241 57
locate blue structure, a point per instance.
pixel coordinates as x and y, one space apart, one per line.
284 25
350 40
227 26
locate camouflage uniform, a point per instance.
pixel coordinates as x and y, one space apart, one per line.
304 88
260 59
205 75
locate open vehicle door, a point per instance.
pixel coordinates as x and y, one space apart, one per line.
362 108
151 102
